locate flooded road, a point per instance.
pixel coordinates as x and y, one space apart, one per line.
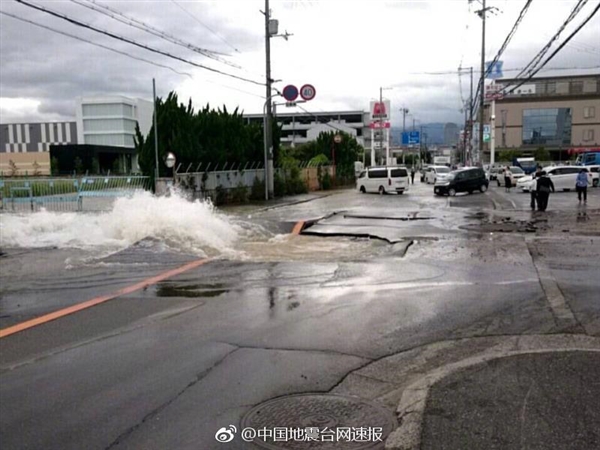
206 313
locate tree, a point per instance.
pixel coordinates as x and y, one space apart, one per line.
508 155
541 154
78 165
54 165
36 169
95 165
12 168
206 136
345 152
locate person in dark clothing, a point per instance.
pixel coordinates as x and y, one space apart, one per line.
533 192
412 175
544 186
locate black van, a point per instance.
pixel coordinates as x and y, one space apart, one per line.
463 180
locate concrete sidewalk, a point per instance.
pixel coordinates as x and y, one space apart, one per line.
534 401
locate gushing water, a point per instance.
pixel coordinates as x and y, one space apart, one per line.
195 227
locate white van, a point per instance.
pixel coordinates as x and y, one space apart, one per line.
383 180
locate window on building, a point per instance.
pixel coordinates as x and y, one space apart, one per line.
576 87
107 109
551 87
547 126
99 125
588 135
589 112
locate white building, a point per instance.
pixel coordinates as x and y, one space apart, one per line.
111 120
300 128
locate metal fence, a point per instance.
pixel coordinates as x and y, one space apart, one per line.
67 194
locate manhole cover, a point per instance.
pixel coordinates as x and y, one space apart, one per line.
316 421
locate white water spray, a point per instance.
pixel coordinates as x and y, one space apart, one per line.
188 226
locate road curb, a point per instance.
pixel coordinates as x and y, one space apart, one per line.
412 404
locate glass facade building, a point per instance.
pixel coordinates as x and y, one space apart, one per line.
547 126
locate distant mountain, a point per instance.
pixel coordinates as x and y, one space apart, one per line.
433 133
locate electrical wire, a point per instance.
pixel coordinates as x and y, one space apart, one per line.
205 26
565 42
132 42
126 54
93 43
537 58
134 23
509 36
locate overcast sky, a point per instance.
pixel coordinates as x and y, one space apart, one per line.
346 49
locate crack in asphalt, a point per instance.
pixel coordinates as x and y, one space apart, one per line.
283 349
155 411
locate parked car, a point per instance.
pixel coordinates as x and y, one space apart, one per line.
595 171
464 180
525 183
563 178
517 173
436 173
383 180
423 172
493 173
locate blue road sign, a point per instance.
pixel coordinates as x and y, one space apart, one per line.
411 138
493 71
290 92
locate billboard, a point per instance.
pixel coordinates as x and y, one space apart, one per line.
380 111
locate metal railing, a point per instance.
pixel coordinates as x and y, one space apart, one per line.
67 194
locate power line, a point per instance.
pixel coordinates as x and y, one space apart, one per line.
205 26
509 36
537 58
93 43
132 22
124 54
132 42
547 60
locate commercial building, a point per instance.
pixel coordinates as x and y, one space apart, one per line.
104 124
560 114
300 128
24 147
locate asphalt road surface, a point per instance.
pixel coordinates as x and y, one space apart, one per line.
164 359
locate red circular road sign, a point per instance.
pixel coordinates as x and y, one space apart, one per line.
308 92
290 92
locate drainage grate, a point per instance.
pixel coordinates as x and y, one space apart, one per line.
333 422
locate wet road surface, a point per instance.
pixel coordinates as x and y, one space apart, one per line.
168 365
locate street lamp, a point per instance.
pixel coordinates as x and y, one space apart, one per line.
170 160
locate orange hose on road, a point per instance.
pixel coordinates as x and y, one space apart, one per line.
298 227
103 298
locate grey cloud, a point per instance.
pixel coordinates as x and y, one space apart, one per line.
54 69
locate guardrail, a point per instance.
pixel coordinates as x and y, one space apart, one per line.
67 194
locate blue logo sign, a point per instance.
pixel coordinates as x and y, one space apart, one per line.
411 138
493 70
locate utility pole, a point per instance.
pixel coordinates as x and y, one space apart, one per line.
404 112
381 121
269 179
482 79
156 172
471 102
481 13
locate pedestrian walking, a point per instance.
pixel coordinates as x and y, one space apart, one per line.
544 186
507 179
412 175
532 191
581 185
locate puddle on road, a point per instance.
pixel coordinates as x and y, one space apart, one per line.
191 291
312 248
